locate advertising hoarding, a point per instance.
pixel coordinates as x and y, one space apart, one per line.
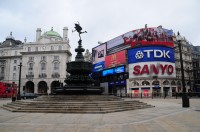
152 53
151 69
113 60
99 53
112 71
98 66
152 35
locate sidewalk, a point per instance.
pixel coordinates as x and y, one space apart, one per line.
167 116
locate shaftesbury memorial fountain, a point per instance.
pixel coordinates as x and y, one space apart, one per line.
79 81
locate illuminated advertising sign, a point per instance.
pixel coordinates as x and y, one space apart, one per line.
119 69
112 71
98 66
151 43
147 36
108 72
151 69
99 53
150 54
115 59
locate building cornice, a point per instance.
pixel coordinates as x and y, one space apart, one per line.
47 52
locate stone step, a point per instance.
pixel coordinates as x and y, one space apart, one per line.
76 104
74 110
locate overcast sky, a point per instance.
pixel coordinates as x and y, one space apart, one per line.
102 19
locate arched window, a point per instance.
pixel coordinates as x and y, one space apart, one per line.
30 66
173 83
56 66
135 83
178 83
145 83
155 83
166 82
43 66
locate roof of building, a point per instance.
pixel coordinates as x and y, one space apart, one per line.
10 41
51 33
10 36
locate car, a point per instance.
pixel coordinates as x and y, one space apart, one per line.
29 95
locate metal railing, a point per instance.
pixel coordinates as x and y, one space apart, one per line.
160 95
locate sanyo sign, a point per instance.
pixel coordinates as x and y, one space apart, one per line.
150 69
153 53
151 61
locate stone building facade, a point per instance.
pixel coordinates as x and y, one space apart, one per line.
43 62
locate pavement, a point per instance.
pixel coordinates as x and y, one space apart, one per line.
167 116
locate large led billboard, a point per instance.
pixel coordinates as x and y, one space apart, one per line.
98 66
145 62
151 35
152 53
112 71
115 59
152 69
99 53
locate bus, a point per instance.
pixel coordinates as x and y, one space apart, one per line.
8 90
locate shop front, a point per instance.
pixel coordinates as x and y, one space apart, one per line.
145 92
156 90
135 93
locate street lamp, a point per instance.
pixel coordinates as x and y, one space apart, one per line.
185 99
20 69
188 70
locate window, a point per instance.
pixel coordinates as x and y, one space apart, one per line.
14 76
29 49
15 52
2 70
56 66
43 66
56 57
15 61
52 48
145 83
43 58
60 47
30 66
14 68
31 58
155 83
30 73
36 48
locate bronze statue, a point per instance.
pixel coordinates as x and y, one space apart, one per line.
78 28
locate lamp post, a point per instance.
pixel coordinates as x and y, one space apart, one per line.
20 69
185 99
189 78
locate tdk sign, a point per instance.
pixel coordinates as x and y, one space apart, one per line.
148 54
156 54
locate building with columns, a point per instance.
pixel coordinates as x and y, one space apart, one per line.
10 56
43 61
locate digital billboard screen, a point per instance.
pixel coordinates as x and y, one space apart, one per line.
112 71
119 69
98 66
115 59
99 53
108 72
151 69
149 54
152 35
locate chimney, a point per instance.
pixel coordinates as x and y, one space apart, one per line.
65 34
38 34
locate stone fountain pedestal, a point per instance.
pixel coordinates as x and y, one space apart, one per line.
79 81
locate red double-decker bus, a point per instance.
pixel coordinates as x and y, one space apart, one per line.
8 90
